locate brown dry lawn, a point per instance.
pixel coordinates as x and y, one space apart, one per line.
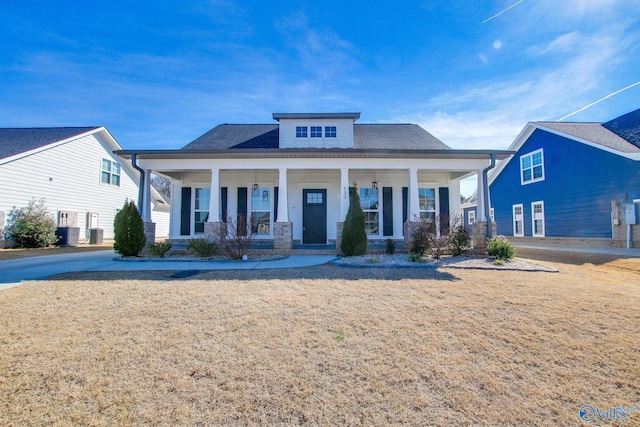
324 346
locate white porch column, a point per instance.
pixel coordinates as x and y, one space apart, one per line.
480 211
214 197
344 194
283 202
414 197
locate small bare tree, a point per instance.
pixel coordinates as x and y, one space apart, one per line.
235 237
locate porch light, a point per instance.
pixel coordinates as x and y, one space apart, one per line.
255 189
374 183
255 183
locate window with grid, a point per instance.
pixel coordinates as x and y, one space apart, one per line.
201 209
261 211
427 200
537 218
518 220
532 167
110 172
370 203
471 217
329 131
301 131
316 131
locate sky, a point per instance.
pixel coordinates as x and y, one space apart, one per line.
473 73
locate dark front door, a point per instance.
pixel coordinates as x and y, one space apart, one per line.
314 216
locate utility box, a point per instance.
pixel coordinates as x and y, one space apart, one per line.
631 214
68 236
96 236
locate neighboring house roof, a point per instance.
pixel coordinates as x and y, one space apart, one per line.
626 126
14 141
620 136
592 132
365 137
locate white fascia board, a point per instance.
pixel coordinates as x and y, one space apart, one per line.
457 165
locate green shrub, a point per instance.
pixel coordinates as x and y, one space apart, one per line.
31 226
202 247
413 257
500 248
390 247
128 231
160 248
354 237
422 237
459 238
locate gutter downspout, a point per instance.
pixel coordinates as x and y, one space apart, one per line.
487 207
141 188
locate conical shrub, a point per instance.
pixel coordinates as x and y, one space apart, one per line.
128 230
354 237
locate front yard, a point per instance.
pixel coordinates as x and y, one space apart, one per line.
323 346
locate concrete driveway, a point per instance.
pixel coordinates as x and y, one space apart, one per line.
12 272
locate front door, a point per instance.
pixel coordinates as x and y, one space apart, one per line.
314 216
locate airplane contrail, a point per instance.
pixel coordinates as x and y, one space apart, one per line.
599 100
500 13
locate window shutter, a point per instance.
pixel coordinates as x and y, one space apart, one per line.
185 212
387 211
223 203
445 221
242 208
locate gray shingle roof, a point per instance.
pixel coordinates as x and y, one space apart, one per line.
626 126
19 140
595 133
366 136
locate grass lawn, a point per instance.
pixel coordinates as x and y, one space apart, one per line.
324 346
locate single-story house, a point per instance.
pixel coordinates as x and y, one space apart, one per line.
74 169
293 178
570 183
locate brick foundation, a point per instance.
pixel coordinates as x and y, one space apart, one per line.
339 228
479 234
212 229
283 237
150 234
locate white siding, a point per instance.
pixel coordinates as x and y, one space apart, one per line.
343 139
67 176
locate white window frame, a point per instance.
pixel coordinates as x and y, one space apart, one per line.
253 209
532 167
367 209
518 218
302 131
424 213
537 217
111 171
200 208
471 217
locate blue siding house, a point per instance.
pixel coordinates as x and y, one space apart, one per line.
569 180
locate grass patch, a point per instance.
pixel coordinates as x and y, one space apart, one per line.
261 347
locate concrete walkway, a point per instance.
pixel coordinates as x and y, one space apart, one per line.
38 268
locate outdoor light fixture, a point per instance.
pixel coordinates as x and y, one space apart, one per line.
255 183
374 183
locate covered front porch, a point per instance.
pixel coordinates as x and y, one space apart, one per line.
303 202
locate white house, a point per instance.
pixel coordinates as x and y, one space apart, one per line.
74 169
294 177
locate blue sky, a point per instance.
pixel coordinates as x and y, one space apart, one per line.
159 74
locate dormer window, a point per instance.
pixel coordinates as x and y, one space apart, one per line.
316 131
301 131
329 131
